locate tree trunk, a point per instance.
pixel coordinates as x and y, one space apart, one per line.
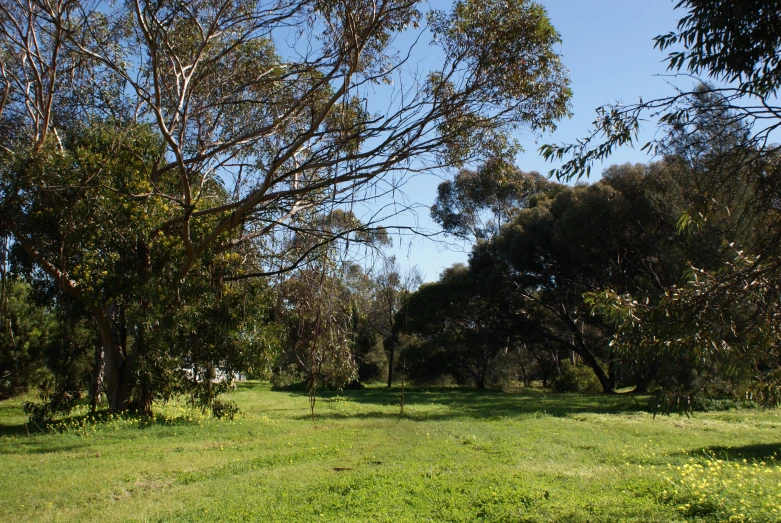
116 370
591 361
611 370
97 375
142 402
390 366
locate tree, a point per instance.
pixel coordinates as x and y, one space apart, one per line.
90 220
736 43
729 41
476 204
392 289
252 124
718 321
317 310
620 233
724 134
459 331
535 264
25 336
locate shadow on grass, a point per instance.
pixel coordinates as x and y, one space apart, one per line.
74 424
252 386
479 404
767 452
17 430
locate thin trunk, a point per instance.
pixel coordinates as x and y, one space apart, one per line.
390 366
97 375
403 378
611 371
483 370
143 396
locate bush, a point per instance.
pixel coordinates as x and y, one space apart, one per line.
225 409
576 378
28 332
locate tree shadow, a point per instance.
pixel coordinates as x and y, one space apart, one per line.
251 386
479 404
767 452
17 430
35 444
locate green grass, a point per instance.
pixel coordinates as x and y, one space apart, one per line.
456 455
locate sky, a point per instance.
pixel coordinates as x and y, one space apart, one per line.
607 45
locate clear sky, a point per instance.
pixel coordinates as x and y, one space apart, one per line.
607 45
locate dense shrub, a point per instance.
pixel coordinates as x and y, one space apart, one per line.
576 378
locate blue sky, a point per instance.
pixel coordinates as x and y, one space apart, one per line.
607 45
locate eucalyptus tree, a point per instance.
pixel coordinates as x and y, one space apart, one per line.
458 329
392 287
620 234
261 111
476 204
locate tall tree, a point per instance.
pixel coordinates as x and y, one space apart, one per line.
459 330
392 288
476 204
259 113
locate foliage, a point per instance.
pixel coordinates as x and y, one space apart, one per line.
458 330
115 268
576 378
391 290
728 41
715 342
537 277
316 308
737 43
192 147
476 204
69 366
225 409
718 324
26 333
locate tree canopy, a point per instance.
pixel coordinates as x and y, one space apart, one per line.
157 155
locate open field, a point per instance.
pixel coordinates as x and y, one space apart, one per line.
456 455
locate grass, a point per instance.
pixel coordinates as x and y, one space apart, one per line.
456 455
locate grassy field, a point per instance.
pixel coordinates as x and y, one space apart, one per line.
456 455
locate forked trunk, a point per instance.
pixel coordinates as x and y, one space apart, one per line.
116 375
115 370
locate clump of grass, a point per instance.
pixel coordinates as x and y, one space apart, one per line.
722 490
